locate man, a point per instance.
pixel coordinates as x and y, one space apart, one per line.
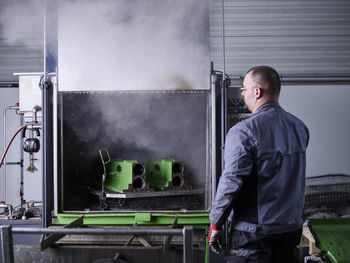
262 185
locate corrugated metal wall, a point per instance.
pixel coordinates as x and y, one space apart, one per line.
303 37
19 57
297 37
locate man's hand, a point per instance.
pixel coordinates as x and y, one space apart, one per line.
214 238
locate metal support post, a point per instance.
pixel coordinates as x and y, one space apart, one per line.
187 244
47 133
168 238
223 121
6 244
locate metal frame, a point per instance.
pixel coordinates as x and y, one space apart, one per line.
6 232
47 152
311 79
6 243
208 145
9 84
48 241
216 136
306 79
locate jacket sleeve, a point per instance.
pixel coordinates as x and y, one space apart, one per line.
238 164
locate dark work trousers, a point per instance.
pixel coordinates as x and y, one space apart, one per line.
247 247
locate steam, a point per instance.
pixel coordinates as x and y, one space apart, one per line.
139 126
22 22
133 45
118 44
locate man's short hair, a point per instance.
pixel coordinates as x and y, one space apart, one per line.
268 76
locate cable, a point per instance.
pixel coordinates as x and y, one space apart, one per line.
9 143
227 77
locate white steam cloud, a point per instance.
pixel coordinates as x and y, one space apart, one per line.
133 45
22 22
118 44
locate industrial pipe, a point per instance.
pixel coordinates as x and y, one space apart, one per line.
22 160
177 181
5 109
9 207
9 84
12 138
138 169
139 183
47 151
138 172
177 168
223 40
97 231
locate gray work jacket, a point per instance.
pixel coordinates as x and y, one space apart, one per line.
263 181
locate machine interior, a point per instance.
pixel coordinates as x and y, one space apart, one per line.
132 125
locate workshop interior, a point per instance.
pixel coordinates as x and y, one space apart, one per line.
114 117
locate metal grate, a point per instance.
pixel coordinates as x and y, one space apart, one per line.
19 58
327 190
295 37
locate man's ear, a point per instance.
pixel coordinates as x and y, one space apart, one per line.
258 93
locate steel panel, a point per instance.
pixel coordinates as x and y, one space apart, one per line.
296 37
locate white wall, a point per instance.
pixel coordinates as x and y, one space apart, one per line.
325 110
9 97
32 181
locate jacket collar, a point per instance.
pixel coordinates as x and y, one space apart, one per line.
267 106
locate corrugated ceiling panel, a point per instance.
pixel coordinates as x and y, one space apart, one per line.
19 58
296 37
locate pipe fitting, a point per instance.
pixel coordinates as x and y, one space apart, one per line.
9 208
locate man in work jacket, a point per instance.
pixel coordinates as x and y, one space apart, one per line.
262 185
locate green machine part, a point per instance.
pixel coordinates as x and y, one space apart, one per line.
197 220
125 175
332 237
163 173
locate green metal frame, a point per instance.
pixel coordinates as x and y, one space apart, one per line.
200 219
332 237
151 219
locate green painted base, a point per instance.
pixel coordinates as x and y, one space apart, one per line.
332 236
134 218
151 219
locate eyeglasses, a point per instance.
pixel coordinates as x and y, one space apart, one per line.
245 88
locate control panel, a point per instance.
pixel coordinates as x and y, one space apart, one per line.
236 108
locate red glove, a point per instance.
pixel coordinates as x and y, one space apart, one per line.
215 238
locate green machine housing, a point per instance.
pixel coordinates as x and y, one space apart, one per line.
135 176
125 175
161 174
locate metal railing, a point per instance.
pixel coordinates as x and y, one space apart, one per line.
6 232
